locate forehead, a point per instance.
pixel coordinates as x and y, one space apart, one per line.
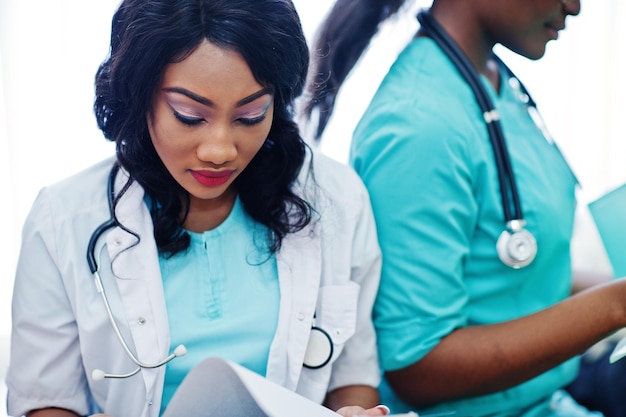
211 70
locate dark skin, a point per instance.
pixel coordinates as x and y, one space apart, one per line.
480 360
522 26
52 412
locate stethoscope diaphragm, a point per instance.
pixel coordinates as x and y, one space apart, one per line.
319 349
516 246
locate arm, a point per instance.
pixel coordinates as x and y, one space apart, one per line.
44 339
355 372
340 398
354 254
58 412
52 412
502 355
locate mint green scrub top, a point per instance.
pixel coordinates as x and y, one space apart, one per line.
222 298
423 152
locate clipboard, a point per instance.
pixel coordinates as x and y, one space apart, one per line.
609 215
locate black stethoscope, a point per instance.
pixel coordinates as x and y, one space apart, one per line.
516 246
320 345
98 374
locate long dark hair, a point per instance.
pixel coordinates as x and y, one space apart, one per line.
342 38
146 35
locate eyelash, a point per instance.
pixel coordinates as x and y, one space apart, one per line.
193 121
189 121
252 121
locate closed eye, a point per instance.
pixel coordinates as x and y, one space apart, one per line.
251 121
187 120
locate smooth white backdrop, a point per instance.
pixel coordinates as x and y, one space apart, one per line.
50 50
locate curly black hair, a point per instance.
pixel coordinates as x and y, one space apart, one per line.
147 35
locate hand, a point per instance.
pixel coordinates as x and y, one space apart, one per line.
354 411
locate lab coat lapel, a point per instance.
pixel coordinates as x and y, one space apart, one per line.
299 273
135 265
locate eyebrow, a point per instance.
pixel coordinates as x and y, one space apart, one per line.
207 102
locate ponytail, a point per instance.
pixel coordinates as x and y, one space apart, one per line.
341 40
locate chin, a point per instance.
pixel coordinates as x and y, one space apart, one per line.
532 54
536 56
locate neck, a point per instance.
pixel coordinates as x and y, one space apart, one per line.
208 214
459 20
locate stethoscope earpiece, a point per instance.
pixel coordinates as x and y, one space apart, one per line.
516 246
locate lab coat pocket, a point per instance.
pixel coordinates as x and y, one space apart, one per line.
335 315
336 311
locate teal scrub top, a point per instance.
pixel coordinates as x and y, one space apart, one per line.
424 154
222 298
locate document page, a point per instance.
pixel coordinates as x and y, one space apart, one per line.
221 388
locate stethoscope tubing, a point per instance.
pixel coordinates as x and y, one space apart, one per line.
99 231
94 268
118 333
504 167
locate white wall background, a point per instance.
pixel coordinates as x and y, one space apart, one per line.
50 50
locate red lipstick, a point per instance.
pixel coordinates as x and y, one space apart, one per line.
211 178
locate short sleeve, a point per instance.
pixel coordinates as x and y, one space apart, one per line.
417 168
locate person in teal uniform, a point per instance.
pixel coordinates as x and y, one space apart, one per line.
474 206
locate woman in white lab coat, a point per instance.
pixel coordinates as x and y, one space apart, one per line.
214 227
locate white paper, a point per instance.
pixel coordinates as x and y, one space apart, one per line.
619 351
220 388
276 400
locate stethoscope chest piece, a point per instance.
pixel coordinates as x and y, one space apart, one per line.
516 246
319 349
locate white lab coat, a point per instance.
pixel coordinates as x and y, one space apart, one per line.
61 331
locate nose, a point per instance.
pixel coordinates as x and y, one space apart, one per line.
571 7
217 145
